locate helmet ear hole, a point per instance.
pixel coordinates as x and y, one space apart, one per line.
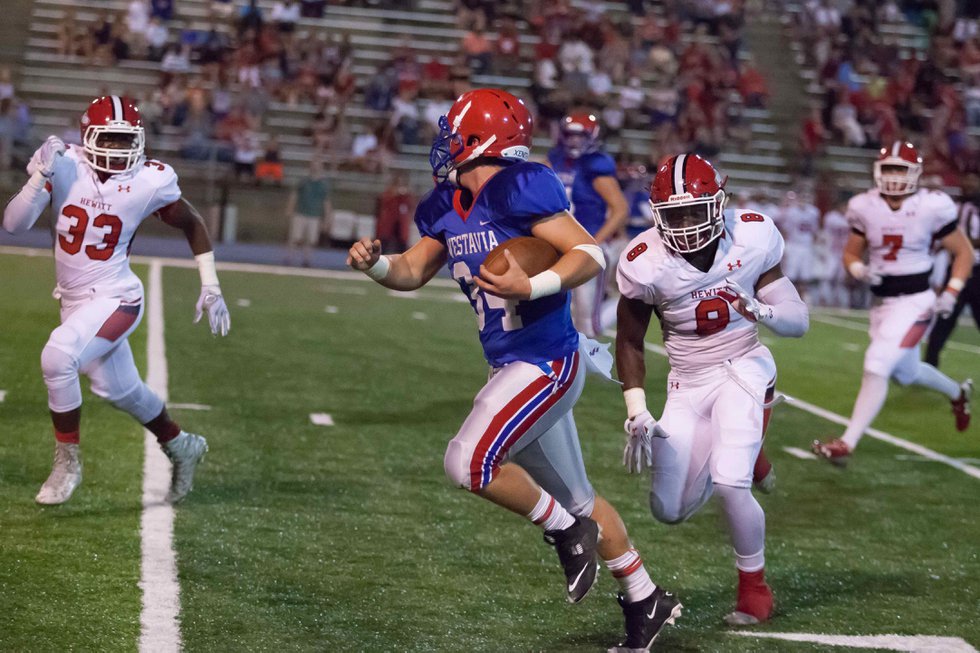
472 140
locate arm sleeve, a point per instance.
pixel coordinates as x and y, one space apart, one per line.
783 311
26 207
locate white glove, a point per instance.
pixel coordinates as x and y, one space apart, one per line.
212 302
639 431
750 307
864 273
46 157
945 303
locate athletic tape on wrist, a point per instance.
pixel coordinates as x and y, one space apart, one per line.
205 267
636 401
380 269
956 285
544 284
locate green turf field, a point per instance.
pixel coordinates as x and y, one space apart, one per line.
348 538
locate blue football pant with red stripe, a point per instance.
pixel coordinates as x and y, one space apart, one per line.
524 415
93 340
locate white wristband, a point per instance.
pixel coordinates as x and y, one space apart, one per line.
636 401
544 284
955 284
380 269
858 270
205 267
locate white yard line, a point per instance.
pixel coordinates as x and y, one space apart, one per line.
858 326
912 643
969 470
3 395
799 453
159 627
321 419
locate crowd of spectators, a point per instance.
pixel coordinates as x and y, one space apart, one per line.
881 81
15 123
673 69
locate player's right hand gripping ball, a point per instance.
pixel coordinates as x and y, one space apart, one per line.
534 255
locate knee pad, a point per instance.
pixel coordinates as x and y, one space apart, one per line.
60 372
140 402
457 465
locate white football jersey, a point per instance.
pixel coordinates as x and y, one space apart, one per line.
95 222
800 223
701 329
837 231
899 241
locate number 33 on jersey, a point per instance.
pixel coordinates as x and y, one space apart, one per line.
96 221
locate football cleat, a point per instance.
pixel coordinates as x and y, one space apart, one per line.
66 474
835 451
754 603
577 551
961 405
185 452
645 619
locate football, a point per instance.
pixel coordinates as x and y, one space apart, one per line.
532 254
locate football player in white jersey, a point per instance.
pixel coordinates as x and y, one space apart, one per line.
799 222
100 193
896 223
711 280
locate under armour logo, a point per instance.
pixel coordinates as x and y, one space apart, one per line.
121 188
736 264
675 385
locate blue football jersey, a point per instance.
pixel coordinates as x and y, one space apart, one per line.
506 206
577 175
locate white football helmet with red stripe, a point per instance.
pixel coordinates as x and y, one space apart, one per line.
688 200
112 134
897 169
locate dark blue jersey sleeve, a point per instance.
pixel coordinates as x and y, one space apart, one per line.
600 164
431 210
536 192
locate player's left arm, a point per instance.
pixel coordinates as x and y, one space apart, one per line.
961 251
581 259
617 209
775 304
182 215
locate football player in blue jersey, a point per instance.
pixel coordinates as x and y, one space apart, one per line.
589 176
519 446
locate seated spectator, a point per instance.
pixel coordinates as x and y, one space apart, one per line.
435 77
470 15
380 89
270 165
478 50
247 152
65 32
249 18
177 59
312 8
406 118
507 55
162 9
6 85
285 14
753 87
156 36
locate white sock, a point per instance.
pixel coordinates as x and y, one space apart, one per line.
928 376
870 399
632 576
746 525
550 515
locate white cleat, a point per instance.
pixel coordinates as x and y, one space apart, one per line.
185 452
66 474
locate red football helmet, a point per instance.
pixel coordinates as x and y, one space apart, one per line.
688 200
487 122
904 168
112 134
578 133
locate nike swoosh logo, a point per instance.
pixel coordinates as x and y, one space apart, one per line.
484 223
654 610
573 584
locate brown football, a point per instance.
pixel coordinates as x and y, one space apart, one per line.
533 255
